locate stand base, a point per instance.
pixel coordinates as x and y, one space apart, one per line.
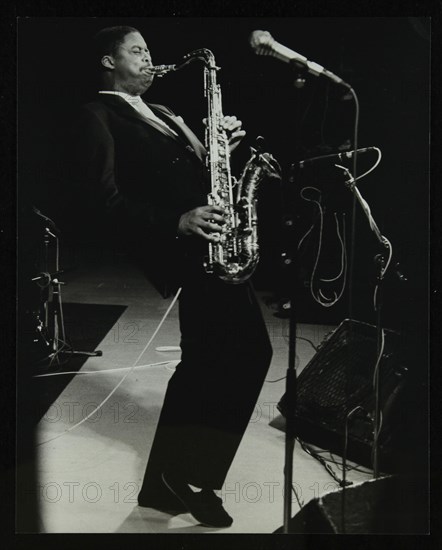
75 353
63 356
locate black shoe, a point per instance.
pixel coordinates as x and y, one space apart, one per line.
204 506
169 506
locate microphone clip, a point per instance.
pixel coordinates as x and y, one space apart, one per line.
301 74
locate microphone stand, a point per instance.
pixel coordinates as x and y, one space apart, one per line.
46 279
291 389
379 260
264 47
290 392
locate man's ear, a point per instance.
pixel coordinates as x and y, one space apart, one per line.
108 62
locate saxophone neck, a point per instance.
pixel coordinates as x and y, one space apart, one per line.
202 54
205 55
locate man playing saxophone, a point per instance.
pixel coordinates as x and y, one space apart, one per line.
145 177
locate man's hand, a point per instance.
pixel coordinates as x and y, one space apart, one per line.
204 221
232 127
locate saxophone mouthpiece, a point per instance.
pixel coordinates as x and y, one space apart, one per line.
161 70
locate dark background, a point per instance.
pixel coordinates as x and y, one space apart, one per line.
386 60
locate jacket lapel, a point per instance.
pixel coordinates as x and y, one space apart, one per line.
121 105
185 134
183 130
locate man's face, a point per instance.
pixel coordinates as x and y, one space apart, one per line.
130 62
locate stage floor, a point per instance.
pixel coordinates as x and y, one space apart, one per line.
89 476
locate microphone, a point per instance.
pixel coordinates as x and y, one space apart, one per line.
263 43
336 156
49 223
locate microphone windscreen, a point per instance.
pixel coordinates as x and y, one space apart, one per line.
259 38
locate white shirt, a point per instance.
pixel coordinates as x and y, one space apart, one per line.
138 104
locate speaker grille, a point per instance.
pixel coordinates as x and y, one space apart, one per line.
338 379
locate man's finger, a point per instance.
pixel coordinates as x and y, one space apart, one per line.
216 209
237 135
229 118
214 217
212 237
233 124
211 227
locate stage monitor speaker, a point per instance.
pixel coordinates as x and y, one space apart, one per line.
390 505
338 379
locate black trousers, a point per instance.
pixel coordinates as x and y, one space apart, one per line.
211 396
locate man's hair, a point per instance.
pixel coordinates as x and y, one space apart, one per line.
107 41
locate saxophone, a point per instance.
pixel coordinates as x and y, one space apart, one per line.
235 256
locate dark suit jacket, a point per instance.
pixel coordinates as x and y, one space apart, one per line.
130 180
